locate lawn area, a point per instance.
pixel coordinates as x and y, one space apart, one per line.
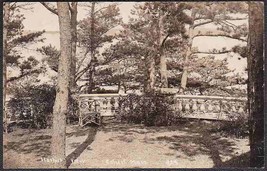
187 145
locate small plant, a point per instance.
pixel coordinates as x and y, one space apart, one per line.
237 127
151 109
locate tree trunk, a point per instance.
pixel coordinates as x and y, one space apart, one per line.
6 16
188 54
92 50
255 84
163 63
73 19
150 77
62 94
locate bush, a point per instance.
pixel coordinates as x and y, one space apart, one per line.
237 127
153 109
99 90
36 103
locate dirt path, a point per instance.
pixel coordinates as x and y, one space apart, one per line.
128 146
137 147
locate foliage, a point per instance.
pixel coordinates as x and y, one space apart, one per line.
153 28
221 15
52 56
237 128
17 39
99 90
151 109
95 32
40 99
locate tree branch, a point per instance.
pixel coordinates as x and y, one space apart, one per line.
80 63
200 24
219 35
213 53
51 9
80 74
23 75
230 25
164 40
100 9
72 6
233 19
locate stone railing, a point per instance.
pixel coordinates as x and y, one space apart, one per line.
188 106
104 104
211 107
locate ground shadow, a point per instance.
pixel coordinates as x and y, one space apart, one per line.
91 131
78 131
38 145
241 161
198 140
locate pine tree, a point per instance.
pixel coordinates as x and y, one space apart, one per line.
220 14
60 109
15 39
93 35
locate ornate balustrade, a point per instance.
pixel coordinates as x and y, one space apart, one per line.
104 104
189 106
211 107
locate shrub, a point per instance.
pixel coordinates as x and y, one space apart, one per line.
152 109
237 127
34 102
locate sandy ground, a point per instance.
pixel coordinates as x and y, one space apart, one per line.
129 146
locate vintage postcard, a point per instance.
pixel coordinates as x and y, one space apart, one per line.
133 84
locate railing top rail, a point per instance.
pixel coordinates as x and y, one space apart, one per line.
101 95
175 96
210 97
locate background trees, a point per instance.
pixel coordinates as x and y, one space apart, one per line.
94 33
15 39
154 31
223 16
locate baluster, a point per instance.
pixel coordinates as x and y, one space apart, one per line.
116 104
102 105
202 106
233 108
210 107
83 105
112 103
97 106
109 106
240 110
187 106
179 105
216 107
194 107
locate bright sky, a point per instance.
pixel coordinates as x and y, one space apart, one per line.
39 18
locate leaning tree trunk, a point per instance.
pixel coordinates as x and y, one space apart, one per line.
6 16
92 51
61 102
163 62
73 19
255 84
73 84
188 54
150 75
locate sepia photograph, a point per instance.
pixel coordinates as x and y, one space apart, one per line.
155 84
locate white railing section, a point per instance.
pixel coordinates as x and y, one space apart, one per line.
188 106
104 104
211 107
